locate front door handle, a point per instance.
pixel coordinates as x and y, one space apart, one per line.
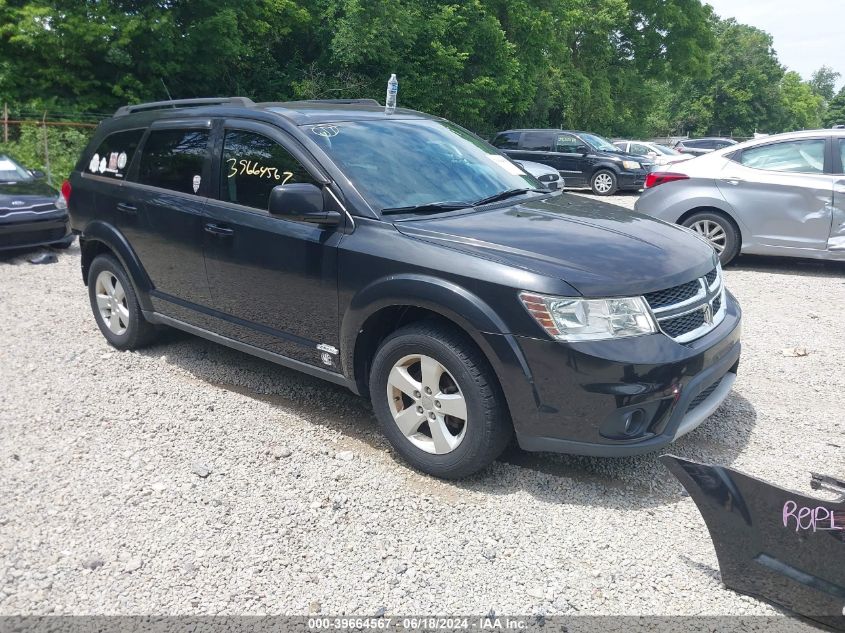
219 231
733 181
127 208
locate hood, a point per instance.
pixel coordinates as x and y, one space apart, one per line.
598 248
29 191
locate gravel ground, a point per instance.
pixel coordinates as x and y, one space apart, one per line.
192 479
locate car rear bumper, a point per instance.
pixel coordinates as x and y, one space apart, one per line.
29 231
631 180
625 397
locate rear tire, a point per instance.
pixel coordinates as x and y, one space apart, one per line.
115 305
604 183
719 230
421 375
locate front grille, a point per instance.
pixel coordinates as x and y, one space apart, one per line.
703 395
681 325
678 294
690 310
36 208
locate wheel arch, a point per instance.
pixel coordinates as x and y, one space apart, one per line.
101 238
711 209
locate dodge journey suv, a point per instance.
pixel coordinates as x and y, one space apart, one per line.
403 257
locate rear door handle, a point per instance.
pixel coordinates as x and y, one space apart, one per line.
127 208
733 181
219 231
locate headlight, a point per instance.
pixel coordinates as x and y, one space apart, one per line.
571 319
60 203
630 164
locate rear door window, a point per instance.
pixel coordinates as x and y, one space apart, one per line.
842 156
537 141
174 159
640 150
801 157
114 154
253 165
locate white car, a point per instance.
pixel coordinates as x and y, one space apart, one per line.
661 154
549 176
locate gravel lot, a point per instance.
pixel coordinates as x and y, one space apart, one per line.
193 479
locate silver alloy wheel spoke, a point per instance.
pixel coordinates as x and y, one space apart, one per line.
603 182
712 232
432 419
111 302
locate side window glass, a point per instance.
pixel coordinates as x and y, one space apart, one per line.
536 141
639 150
507 140
174 159
803 157
253 165
566 144
115 153
842 155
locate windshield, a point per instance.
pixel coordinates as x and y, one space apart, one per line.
668 151
412 163
10 171
600 143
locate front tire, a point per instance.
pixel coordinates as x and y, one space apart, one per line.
604 183
115 305
719 231
438 401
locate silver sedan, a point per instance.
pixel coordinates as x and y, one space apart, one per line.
778 195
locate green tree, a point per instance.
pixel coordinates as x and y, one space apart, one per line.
823 82
801 108
835 114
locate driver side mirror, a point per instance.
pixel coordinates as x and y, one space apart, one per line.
302 202
37 174
582 149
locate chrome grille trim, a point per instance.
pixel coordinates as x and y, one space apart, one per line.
709 300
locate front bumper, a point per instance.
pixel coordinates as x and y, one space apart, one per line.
624 397
28 230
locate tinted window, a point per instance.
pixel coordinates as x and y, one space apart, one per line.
805 157
721 144
536 141
115 153
842 155
507 140
173 159
640 150
252 165
696 144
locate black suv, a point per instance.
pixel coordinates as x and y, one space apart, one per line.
403 257
583 159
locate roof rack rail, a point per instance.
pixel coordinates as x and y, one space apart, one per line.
344 101
182 103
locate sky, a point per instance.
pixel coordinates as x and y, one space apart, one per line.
806 34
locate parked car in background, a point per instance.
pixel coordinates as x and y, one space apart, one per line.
32 213
406 259
700 146
583 159
549 176
779 195
659 154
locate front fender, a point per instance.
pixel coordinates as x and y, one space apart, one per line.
453 302
109 236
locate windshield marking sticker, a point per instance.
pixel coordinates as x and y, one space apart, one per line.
327 131
196 183
94 164
245 167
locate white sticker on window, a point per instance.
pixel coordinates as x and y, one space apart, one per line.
94 164
508 166
102 166
121 160
197 181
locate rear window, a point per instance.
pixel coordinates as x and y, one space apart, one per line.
114 154
537 141
174 159
507 140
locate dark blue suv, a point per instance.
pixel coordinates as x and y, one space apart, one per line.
405 258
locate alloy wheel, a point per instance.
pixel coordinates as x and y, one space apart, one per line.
713 232
603 183
111 302
427 404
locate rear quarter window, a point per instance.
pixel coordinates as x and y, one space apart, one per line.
536 141
114 154
507 140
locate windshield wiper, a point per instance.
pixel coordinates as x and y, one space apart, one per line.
428 207
504 195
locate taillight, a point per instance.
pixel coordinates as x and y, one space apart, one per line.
662 177
66 191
